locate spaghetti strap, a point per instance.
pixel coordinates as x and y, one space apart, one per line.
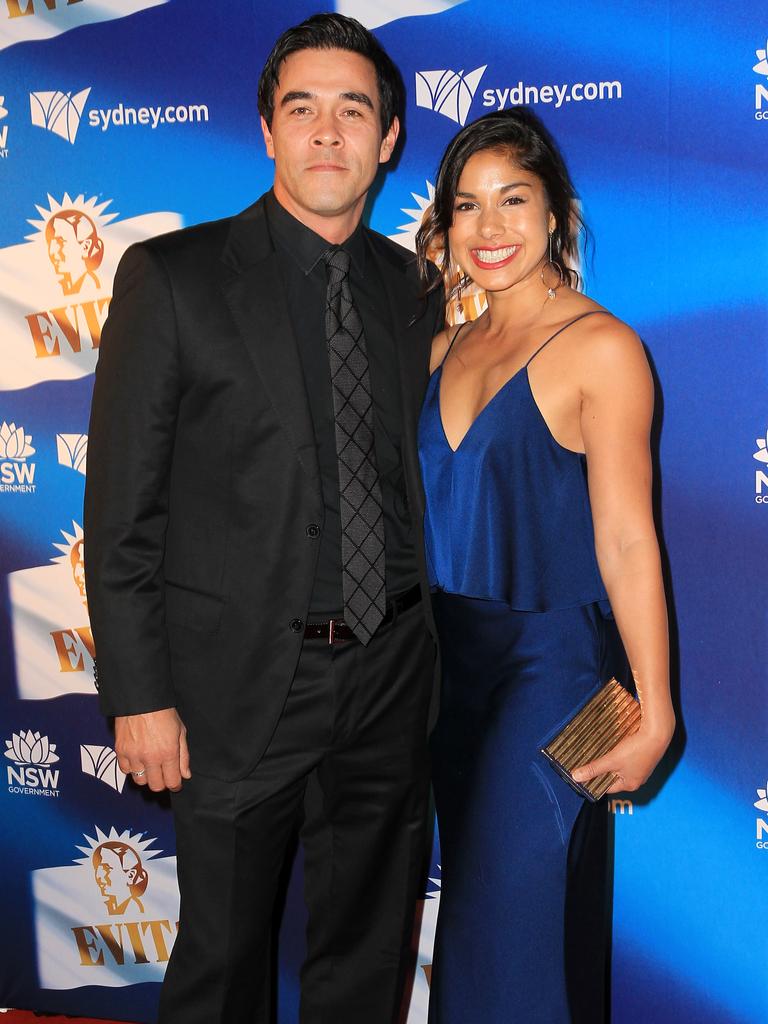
570 323
456 333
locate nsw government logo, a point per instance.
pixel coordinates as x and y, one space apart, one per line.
761 90
17 474
31 773
761 824
449 93
761 475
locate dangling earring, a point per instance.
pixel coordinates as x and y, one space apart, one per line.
459 303
552 292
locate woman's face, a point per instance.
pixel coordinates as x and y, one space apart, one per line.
501 222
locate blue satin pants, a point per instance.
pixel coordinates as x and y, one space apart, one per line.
523 926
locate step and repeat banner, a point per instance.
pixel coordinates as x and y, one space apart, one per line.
121 119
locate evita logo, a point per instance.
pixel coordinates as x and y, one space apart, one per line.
761 823
110 918
26 8
761 91
72 234
17 474
761 475
31 773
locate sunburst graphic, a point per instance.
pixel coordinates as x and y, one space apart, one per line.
73 556
90 207
71 541
407 232
136 842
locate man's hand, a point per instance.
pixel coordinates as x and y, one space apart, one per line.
152 748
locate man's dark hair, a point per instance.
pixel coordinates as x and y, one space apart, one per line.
333 32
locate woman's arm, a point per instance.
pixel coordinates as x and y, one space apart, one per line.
616 413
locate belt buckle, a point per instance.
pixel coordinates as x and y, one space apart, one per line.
331 630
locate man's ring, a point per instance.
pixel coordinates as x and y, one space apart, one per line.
137 775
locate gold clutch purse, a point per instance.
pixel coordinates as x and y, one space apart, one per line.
610 715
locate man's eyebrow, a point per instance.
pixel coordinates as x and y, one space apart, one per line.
350 97
357 97
296 94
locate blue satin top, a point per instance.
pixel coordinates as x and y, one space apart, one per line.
507 513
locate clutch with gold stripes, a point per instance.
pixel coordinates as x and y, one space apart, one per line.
608 717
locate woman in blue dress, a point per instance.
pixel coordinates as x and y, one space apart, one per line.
534 443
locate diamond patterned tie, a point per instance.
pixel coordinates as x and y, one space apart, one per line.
362 519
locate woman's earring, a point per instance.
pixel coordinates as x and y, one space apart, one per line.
552 292
459 303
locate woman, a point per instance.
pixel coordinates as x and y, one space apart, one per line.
537 472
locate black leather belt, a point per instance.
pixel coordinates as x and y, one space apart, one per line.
334 631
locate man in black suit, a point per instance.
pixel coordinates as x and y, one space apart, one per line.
254 564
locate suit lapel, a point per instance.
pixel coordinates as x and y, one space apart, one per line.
254 293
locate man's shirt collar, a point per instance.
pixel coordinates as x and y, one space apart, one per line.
303 244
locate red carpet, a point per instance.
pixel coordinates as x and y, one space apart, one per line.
27 1017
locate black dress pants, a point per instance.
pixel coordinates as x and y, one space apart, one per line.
348 768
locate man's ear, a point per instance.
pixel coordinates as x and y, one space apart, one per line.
268 142
388 142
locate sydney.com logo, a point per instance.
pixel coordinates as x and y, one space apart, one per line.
451 93
62 112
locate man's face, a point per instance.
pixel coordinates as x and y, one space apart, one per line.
325 137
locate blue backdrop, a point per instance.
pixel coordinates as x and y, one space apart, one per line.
124 118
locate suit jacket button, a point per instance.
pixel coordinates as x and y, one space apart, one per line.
297 625
313 530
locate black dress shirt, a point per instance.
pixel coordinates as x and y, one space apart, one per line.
299 252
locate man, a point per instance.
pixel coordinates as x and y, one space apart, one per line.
254 551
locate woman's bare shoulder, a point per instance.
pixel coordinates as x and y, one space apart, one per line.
440 345
611 352
607 338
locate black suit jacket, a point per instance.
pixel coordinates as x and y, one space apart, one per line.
203 490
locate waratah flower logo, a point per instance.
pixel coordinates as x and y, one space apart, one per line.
31 748
762 448
762 61
14 443
762 803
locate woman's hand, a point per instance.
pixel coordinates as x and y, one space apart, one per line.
633 759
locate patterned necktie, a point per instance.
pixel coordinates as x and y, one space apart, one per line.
362 519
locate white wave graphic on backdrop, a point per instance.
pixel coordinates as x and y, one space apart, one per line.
374 13
34 19
55 287
419 1005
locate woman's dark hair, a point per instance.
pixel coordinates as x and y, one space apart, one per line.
333 32
520 134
